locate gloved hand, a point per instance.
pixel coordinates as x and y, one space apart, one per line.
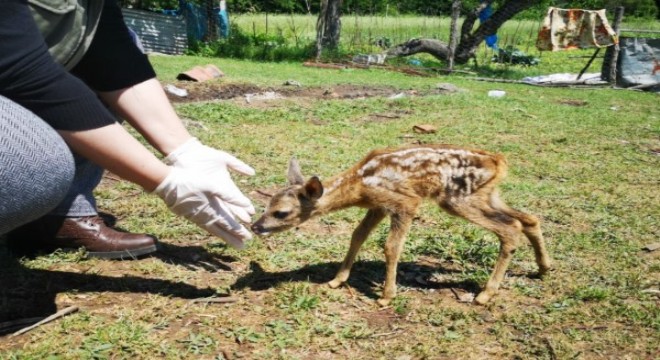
214 163
197 197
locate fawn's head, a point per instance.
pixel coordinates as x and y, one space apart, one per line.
292 205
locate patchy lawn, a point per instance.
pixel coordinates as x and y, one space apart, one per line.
584 160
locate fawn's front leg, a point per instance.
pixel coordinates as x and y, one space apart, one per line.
360 234
399 226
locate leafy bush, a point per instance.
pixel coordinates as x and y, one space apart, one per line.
511 55
264 47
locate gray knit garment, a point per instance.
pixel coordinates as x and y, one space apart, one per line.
36 166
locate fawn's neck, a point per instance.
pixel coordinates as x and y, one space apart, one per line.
339 192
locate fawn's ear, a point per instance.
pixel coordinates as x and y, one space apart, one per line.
294 175
314 188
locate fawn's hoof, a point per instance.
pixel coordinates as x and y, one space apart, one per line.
483 298
383 302
333 284
544 270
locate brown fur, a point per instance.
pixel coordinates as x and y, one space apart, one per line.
393 182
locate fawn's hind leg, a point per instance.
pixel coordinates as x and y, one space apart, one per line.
360 234
531 229
507 229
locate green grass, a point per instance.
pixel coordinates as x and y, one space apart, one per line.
589 172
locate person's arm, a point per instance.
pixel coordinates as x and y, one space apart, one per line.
123 155
206 199
146 107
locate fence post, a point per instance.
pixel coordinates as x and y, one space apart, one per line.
608 71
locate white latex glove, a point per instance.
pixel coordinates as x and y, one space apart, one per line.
197 197
214 163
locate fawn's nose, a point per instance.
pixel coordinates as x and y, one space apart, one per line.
257 228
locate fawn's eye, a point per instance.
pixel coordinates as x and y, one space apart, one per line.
280 214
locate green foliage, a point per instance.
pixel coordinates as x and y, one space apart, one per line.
591 293
634 8
263 47
292 38
513 56
243 334
154 5
298 298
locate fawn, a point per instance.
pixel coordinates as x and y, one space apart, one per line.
393 182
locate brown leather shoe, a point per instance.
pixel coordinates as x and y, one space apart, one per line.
90 232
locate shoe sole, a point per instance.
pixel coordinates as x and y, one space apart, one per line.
124 254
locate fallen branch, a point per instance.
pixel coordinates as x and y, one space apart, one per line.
7 326
324 65
458 297
449 71
499 80
218 300
386 334
57 315
386 116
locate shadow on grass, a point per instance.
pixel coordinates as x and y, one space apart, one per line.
193 258
31 293
366 277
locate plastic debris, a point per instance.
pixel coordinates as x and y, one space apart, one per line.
370 59
587 78
292 83
496 93
446 87
268 95
397 96
176 91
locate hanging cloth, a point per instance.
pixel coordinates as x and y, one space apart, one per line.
491 40
565 29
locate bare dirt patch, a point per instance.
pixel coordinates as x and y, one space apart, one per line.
218 90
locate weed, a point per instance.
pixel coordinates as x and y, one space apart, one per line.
591 293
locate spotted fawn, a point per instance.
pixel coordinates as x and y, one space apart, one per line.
394 182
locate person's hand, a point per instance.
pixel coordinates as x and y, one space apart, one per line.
199 197
193 155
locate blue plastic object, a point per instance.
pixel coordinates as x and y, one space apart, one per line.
491 40
196 19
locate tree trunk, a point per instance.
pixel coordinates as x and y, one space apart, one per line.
453 33
328 25
470 40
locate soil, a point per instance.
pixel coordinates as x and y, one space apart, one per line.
250 93
104 288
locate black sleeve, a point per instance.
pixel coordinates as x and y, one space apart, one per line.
30 77
113 61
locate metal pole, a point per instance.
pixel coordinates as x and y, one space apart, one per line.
612 54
